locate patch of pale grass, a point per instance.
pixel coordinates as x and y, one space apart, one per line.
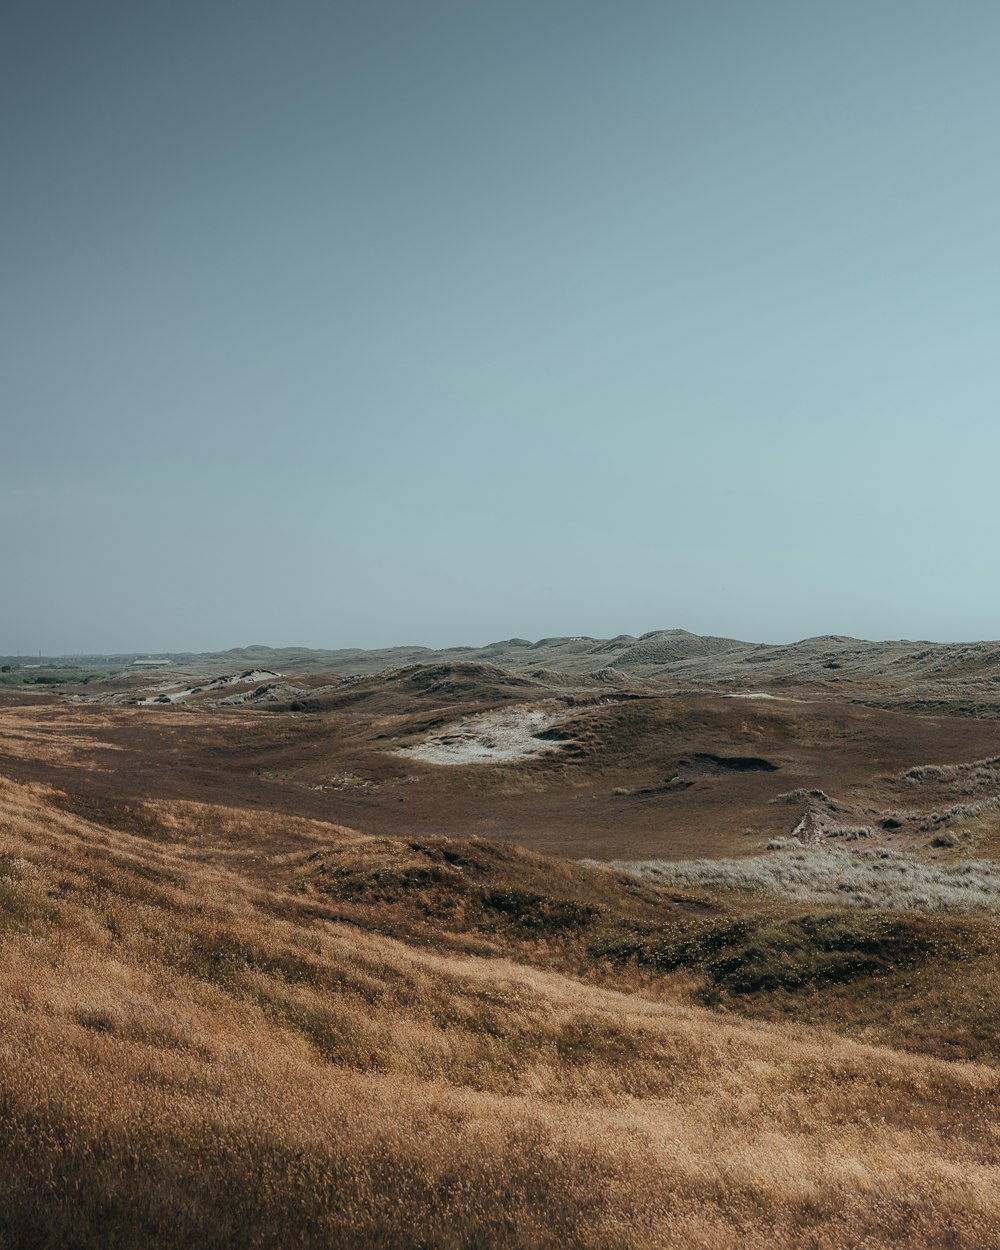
970 778
877 878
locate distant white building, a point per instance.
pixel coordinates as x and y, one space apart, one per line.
150 663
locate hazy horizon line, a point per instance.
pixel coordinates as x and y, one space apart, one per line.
153 653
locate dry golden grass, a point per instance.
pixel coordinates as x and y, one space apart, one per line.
56 734
182 1063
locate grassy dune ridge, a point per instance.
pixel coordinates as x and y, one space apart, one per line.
190 1054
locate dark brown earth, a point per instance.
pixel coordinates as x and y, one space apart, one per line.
635 774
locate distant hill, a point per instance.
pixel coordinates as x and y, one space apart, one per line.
574 654
904 673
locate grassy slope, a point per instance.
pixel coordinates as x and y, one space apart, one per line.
204 1041
915 981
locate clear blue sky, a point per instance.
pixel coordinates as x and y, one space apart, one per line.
333 323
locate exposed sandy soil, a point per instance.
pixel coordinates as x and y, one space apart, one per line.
763 694
490 737
171 692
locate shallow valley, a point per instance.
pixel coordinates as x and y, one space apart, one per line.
457 954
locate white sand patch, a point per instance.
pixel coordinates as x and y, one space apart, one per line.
488 738
761 694
251 674
167 696
168 692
